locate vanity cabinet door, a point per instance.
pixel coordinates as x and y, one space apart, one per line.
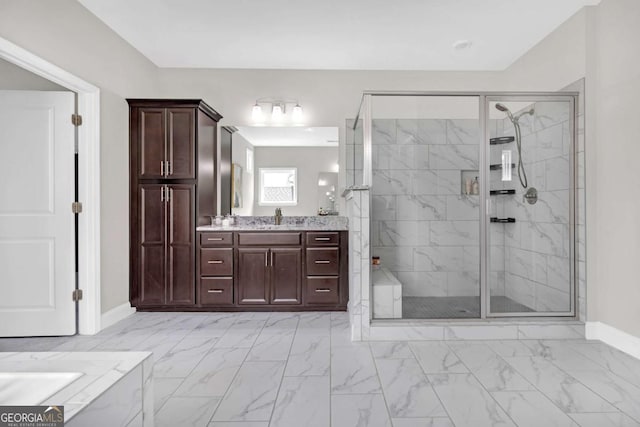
151 143
181 143
151 247
181 245
286 275
253 275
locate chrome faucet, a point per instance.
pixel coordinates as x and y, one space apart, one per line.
278 216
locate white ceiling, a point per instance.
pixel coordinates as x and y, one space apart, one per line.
334 34
270 136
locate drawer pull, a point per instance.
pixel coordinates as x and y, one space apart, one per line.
215 239
215 261
321 261
323 290
215 291
323 239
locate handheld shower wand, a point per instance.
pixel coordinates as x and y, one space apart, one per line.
522 175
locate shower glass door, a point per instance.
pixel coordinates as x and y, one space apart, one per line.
425 206
530 177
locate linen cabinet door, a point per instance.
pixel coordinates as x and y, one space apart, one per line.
151 245
252 276
286 275
181 143
151 143
180 245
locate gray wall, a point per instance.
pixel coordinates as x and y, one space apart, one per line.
13 77
612 150
310 161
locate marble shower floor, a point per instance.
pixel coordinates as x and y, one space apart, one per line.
456 307
298 370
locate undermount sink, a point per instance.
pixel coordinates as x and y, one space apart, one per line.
31 388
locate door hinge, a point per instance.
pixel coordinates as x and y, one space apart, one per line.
76 119
76 207
76 295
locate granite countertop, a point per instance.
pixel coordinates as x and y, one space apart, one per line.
98 371
289 223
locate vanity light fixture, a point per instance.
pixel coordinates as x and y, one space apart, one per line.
256 113
278 108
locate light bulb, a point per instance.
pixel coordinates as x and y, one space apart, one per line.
256 113
297 113
277 112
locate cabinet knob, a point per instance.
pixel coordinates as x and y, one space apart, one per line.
322 261
323 290
323 239
215 261
214 291
215 239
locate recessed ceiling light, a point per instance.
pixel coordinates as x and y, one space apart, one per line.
462 44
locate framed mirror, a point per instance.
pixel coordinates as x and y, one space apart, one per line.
283 167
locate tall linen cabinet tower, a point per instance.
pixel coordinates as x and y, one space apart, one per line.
173 172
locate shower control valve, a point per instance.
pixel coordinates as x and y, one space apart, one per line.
530 196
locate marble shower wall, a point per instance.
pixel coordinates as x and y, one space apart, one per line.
536 247
423 229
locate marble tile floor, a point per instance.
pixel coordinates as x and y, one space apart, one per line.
300 369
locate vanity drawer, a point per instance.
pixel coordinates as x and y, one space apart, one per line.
216 291
329 238
323 262
269 239
216 262
322 290
216 239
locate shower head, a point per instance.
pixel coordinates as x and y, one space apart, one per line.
504 109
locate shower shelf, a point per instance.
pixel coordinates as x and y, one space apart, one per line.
501 140
498 166
502 220
497 192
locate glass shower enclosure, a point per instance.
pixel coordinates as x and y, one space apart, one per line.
472 202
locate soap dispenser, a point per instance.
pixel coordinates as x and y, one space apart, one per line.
475 186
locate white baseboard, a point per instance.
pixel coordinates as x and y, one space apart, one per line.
116 314
621 340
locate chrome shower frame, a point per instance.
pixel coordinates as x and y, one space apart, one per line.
484 100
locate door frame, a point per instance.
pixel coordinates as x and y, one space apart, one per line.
88 95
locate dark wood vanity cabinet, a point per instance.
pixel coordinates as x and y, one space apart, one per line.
167 247
269 276
273 270
172 190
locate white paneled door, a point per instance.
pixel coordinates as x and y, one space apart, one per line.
37 265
